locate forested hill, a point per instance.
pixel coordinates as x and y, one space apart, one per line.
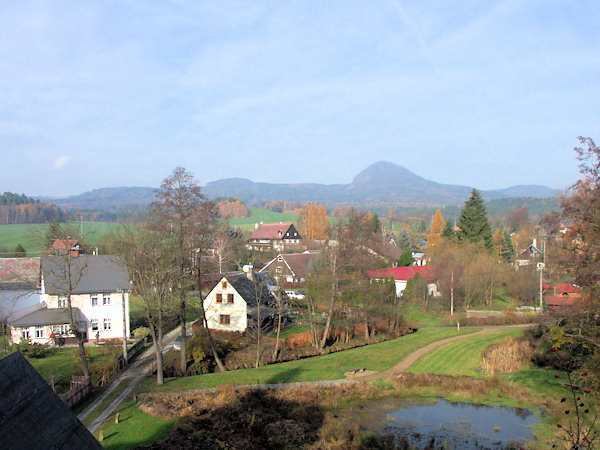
15 209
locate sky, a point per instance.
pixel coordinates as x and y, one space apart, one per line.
479 93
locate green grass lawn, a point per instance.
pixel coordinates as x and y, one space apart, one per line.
462 357
415 316
258 215
291 330
61 364
134 428
327 367
30 236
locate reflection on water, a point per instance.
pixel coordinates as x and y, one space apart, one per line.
441 424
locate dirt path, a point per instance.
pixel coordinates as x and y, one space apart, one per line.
413 357
133 374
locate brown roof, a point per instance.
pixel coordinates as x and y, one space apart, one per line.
18 273
299 263
270 231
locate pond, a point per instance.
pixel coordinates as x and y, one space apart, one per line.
437 423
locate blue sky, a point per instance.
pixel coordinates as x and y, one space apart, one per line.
112 93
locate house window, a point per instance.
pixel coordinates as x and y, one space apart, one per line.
39 332
25 334
107 324
280 258
94 323
62 302
106 299
219 298
94 300
278 269
229 298
224 284
224 319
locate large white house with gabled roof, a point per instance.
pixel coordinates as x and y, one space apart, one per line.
99 297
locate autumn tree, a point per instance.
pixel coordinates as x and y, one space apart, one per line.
232 209
473 222
149 263
503 245
436 228
518 218
174 215
313 223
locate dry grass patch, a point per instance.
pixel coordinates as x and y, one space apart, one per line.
508 356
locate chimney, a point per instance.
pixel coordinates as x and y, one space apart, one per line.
249 270
255 226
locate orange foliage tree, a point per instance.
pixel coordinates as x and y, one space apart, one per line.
313 222
437 226
232 209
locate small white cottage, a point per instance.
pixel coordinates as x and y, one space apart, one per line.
232 305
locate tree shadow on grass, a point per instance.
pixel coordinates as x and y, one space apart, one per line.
255 419
286 376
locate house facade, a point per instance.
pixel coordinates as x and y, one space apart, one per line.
401 275
99 298
293 268
232 304
274 236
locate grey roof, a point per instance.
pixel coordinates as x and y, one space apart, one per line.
48 316
32 415
246 289
91 273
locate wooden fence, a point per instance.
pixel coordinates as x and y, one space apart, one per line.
80 388
135 350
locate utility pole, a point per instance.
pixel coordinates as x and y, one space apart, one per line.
124 328
452 295
540 268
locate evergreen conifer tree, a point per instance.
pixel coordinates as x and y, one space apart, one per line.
19 251
473 222
448 231
404 240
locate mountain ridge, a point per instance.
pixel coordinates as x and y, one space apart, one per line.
382 182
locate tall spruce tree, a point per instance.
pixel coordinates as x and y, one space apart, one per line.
448 231
473 222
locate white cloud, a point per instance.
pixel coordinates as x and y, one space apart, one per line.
61 162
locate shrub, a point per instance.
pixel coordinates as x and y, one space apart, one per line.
508 356
34 350
141 332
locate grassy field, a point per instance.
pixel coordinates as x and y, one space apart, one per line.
61 364
30 236
134 428
258 215
327 367
461 357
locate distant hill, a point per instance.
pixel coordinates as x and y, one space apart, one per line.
107 199
382 183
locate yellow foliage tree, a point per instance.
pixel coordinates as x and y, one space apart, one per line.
313 222
437 226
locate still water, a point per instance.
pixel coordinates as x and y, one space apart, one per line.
438 423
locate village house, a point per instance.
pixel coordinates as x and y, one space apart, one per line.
62 246
100 300
233 303
565 296
274 236
291 269
401 275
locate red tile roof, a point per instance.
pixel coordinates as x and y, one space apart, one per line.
562 300
566 288
270 231
403 273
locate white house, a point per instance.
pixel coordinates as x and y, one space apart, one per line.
99 297
233 303
277 236
401 275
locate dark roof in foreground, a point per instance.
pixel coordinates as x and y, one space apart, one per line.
32 415
95 273
48 316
